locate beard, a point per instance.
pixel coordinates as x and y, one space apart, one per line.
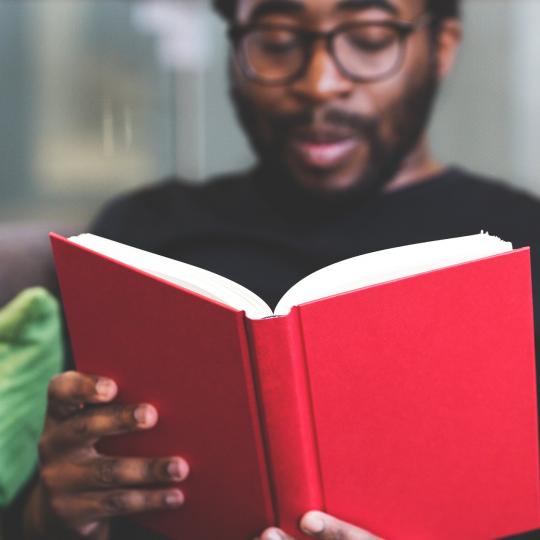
405 122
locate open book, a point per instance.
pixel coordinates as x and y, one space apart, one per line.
395 390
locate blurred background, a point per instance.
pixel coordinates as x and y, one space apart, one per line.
100 96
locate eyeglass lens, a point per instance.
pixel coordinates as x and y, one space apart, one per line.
363 51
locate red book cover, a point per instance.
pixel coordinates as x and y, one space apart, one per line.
188 356
408 408
424 402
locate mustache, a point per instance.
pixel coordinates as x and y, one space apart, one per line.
331 118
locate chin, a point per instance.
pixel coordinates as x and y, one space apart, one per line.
328 185
328 180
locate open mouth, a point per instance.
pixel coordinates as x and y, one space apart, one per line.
323 149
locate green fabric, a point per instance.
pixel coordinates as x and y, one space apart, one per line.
30 354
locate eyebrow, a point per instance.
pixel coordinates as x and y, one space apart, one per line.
280 7
360 5
295 7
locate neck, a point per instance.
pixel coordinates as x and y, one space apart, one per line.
419 166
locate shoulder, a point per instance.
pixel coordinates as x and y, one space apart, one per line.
169 205
125 216
490 190
505 209
480 192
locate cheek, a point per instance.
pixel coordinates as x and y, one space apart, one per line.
378 100
389 97
264 99
419 56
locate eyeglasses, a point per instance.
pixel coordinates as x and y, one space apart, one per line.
277 54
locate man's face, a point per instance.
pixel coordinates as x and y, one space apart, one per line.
325 131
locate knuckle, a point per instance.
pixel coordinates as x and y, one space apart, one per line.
66 387
48 478
48 449
120 502
114 503
77 388
106 472
54 385
119 418
59 508
157 500
70 409
113 419
43 449
156 469
71 385
80 426
63 380
126 417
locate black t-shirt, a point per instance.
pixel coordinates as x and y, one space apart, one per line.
267 236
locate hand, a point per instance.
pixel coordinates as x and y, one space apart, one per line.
321 526
79 490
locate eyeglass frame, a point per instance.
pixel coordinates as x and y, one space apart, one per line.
404 30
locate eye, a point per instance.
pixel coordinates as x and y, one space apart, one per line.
272 47
371 39
275 42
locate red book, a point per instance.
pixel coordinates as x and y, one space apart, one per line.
406 407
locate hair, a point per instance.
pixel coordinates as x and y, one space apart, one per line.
443 9
439 9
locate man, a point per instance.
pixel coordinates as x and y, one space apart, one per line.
335 96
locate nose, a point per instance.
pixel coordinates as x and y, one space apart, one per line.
322 80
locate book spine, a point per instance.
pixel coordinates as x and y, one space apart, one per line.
287 420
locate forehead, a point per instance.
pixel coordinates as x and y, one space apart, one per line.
321 9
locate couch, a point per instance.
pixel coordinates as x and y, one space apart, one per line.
25 256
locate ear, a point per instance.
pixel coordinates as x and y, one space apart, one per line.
448 42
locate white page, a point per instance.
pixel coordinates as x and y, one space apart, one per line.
189 277
390 264
362 271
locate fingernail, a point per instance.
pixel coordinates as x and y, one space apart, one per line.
174 498
145 415
312 523
272 534
105 389
178 469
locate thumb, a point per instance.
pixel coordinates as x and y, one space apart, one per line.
325 527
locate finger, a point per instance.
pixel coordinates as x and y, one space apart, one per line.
84 429
105 473
115 473
325 527
274 534
87 530
95 507
69 391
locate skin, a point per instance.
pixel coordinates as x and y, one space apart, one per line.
79 489
321 526
388 104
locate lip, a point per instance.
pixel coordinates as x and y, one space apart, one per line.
323 151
